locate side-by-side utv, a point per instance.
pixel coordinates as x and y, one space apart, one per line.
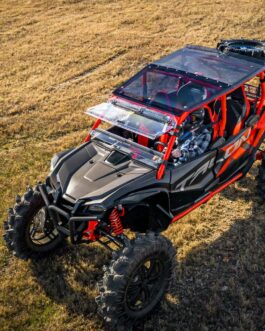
125 177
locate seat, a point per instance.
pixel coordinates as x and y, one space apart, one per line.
237 112
164 98
186 96
238 109
190 94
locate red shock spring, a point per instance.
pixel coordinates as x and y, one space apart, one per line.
115 221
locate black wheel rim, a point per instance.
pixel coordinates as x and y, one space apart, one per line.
41 228
146 284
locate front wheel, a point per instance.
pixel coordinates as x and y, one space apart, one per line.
136 280
29 231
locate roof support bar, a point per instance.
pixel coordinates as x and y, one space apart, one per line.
95 125
171 143
262 99
223 112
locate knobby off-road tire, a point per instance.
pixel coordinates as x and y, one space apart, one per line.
136 280
261 179
29 216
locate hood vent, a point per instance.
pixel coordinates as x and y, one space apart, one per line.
116 158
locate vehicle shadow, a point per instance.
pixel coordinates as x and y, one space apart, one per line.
244 189
70 275
220 286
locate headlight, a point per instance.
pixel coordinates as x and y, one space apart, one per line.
96 208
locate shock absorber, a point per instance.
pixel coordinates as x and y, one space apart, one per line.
115 221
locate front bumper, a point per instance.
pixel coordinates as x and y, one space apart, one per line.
72 225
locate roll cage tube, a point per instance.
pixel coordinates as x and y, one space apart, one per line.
261 123
172 139
95 126
262 99
223 113
144 85
261 103
175 132
214 121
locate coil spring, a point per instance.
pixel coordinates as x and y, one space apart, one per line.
115 222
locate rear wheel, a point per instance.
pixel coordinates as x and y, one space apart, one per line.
136 280
29 231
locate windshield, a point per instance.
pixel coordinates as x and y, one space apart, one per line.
136 151
172 92
138 120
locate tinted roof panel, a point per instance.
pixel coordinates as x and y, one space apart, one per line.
230 69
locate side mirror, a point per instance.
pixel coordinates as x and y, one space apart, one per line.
252 120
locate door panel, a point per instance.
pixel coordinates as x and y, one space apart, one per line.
189 180
234 152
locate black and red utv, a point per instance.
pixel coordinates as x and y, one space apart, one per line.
125 177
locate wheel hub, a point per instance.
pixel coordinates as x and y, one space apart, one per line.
42 229
145 284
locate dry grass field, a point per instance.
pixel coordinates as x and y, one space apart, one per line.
59 57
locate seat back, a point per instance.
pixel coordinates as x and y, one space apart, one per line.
164 98
237 111
190 94
182 97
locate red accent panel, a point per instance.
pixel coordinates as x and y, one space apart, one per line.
261 122
258 137
237 128
225 166
142 140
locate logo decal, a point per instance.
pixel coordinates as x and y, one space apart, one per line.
191 178
232 148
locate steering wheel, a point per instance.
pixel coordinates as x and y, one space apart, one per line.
157 143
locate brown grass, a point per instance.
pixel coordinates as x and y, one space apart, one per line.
59 57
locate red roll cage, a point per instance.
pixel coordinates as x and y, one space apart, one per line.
246 68
220 125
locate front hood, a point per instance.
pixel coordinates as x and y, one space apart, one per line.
94 172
